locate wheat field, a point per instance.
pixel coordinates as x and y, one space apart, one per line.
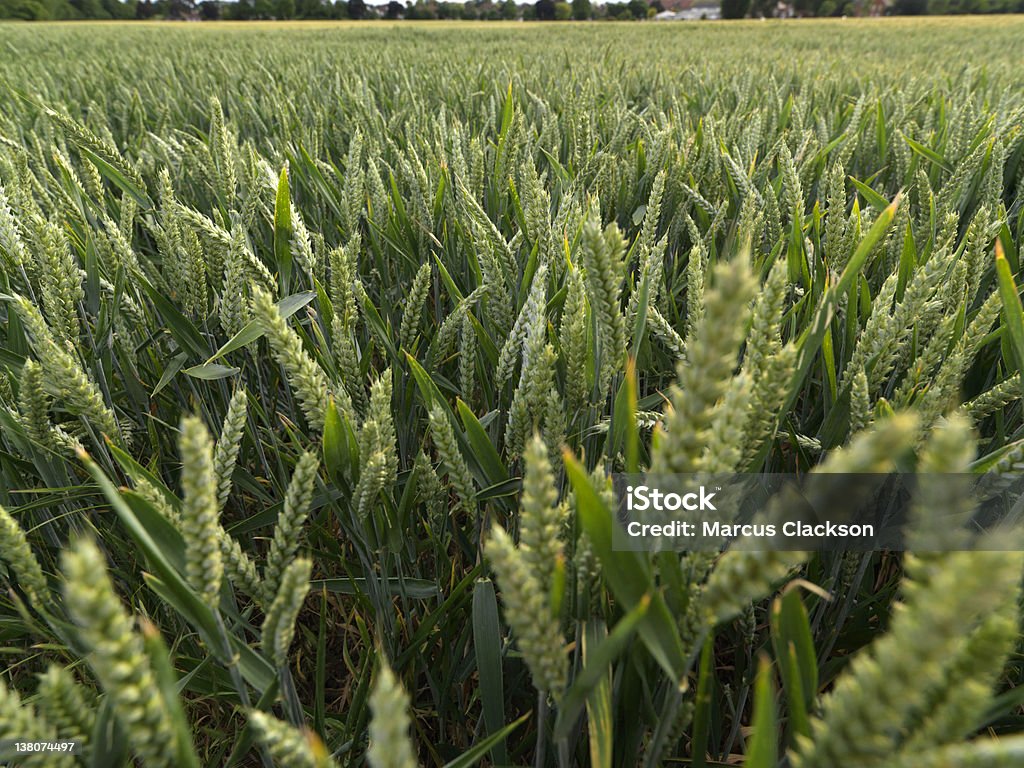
319 342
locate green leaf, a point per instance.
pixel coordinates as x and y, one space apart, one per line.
483 449
623 432
599 657
600 725
702 714
179 326
881 134
763 747
119 179
509 487
640 322
629 576
170 371
506 113
811 339
254 668
108 745
929 154
286 307
798 663
447 281
414 589
1013 315
474 754
428 389
168 581
210 371
167 687
320 679
379 328
487 648
340 446
874 199
284 229
324 305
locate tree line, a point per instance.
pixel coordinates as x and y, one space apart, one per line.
245 10
486 10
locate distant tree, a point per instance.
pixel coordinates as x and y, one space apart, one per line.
284 9
735 9
910 7
25 10
509 11
356 9
60 9
563 11
617 12
89 9
544 10
422 9
115 9
180 9
209 10
638 9
395 10
312 9
582 10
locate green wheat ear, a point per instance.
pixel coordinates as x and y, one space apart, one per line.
12 248
66 705
528 612
199 522
279 624
535 401
459 476
288 532
61 285
288 745
390 745
34 404
225 454
233 310
540 518
572 340
16 552
63 373
414 307
603 252
740 577
950 619
304 375
20 720
117 655
526 574
705 377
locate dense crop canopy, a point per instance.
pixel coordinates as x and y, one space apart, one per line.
317 341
